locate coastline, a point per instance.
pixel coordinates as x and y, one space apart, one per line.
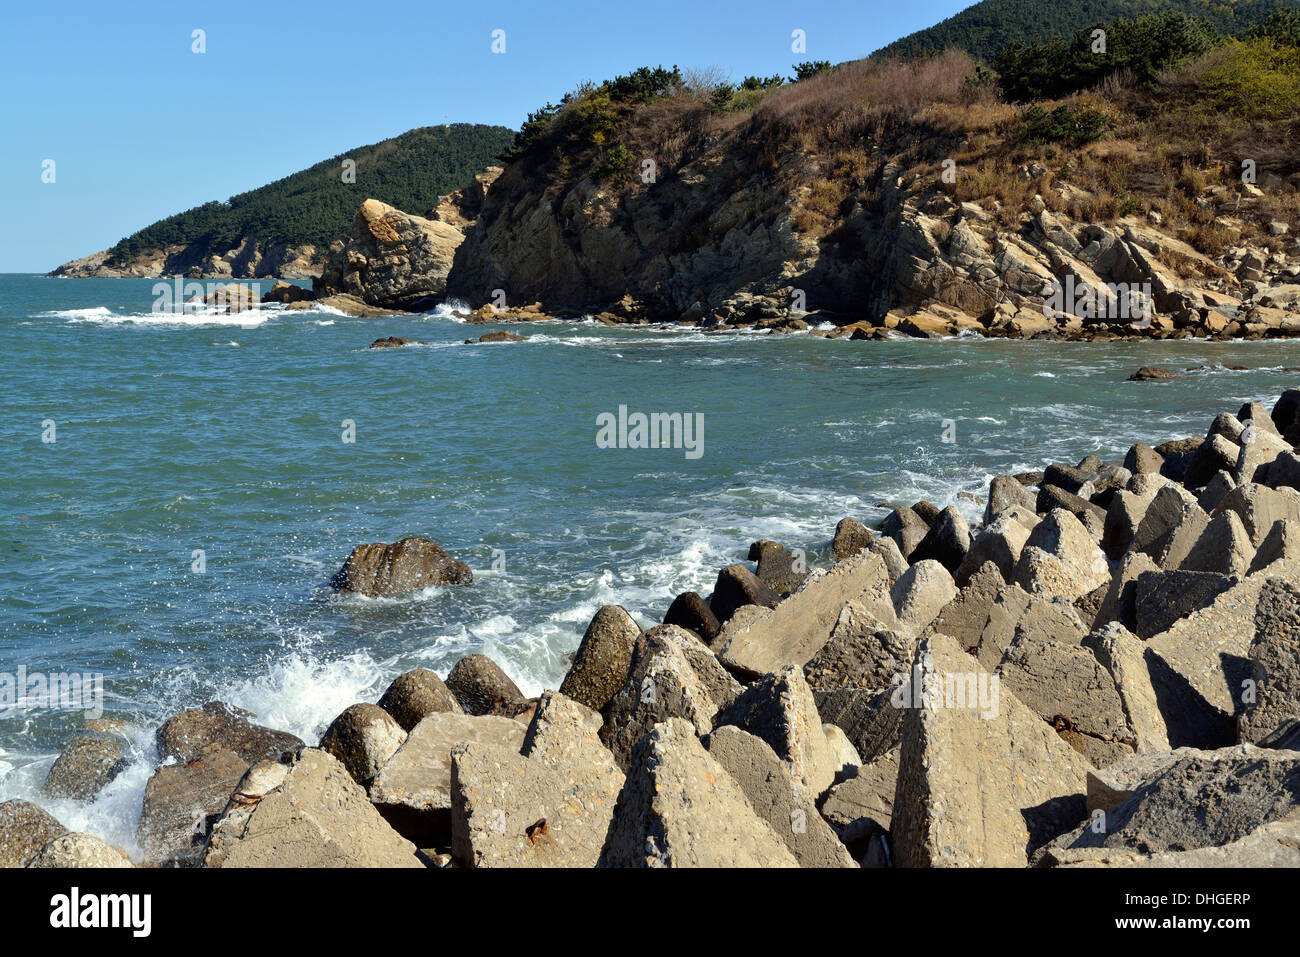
1154 583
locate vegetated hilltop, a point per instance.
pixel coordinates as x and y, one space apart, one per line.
935 193
283 228
983 30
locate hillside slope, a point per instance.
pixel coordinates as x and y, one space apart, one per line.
830 196
283 228
984 29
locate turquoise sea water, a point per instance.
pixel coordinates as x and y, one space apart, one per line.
224 434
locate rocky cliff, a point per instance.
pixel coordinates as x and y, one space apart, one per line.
724 241
400 261
935 207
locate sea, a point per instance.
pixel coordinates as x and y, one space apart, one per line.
179 486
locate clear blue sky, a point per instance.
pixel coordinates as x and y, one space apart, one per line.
141 127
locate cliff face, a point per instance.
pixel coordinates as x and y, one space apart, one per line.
899 195
723 239
251 259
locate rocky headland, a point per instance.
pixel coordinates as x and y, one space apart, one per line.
1103 672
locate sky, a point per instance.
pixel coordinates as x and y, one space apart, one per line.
140 126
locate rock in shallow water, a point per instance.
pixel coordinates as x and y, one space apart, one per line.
185 736
88 763
378 570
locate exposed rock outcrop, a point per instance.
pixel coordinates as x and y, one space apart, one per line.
393 259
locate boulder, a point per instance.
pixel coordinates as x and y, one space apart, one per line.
508 811
737 586
1124 516
1143 458
920 594
1255 413
974 789
1123 655
1111 786
1068 688
287 292
672 676
1223 548
789 811
603 658
895 563
868 718
1017 615
1259 508
1092 516
1000 542
500 335
798 628
416 694
233 297
1120 601
861 654
549 805
1199 666
1256 456
964 618
1004 492
947 541
1282 543
363 737
1061 558
309 813
680 808
1216 489
1068 477
86 766
1275 662
481 687
779 708
394 342
182 802
1167 511
1215 454
76 850
1282 472
1153 374
379 570
906 528
1286 411
693 613
1161 598
778 567
851 537
413 790
187 735
1203 799
24 830
861 807
1273 845
1227 425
